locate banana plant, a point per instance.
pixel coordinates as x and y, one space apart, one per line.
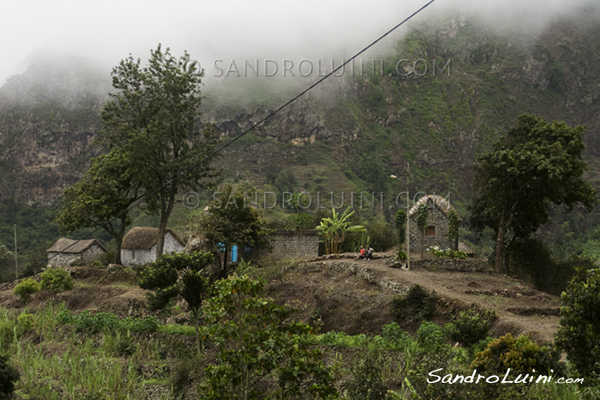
334 229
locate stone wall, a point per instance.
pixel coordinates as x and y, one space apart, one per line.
65 259
437 219
452 264
290 244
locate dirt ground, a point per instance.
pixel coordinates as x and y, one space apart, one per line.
339 301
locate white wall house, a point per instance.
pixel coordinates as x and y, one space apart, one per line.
65 252
139 245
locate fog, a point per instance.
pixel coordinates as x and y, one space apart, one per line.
107 31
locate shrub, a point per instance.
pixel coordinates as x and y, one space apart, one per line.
25 321
416 305
521 355
470 326
367 382
430 336
579 332
56 280
8 376
26 288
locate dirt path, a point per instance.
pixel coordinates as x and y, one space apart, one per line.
520 308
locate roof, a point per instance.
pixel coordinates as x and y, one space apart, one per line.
439 201
144 238
64 245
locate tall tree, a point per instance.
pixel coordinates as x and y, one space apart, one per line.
154 117
101 198
535 166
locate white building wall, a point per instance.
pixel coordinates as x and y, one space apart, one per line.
131 257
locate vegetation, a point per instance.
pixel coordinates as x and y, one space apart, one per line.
152 120
416 305
580 328
536 165
231 220
56 280
333 230
421 218
8 377
26 288
259 353
453 229
471 326
101 198
179 274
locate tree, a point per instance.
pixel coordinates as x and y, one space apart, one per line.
153 118
230 220
536 165
261 353
179 274
334 229
422 215
101 198
580 326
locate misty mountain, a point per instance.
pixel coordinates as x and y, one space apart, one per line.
442 95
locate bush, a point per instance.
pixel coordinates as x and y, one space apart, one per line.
521 355
580 329
26 288
416 305
8 377
56 280
367 382
25 322
470 326
430 336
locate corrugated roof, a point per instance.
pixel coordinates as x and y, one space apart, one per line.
439 201
143 238
64 245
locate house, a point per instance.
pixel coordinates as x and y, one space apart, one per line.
65 252
436 231
139 245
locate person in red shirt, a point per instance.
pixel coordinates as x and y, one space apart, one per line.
363 252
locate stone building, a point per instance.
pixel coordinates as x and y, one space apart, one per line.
436 232
65 252
139 245
287 244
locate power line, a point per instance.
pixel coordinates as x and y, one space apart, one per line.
229 143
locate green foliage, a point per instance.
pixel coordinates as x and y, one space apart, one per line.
106 322
231 220
580 326
521 355
26 288
471 326
367 382
260 353
8 377
25 321
436 251
536 165
430 336
416 305
452 226
333 229
152 122
56 280
421 217
400 221
178 274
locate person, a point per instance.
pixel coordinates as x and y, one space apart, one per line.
362 253
369 253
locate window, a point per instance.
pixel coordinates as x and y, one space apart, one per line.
430 231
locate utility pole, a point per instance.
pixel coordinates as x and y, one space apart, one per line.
408 215
16 263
